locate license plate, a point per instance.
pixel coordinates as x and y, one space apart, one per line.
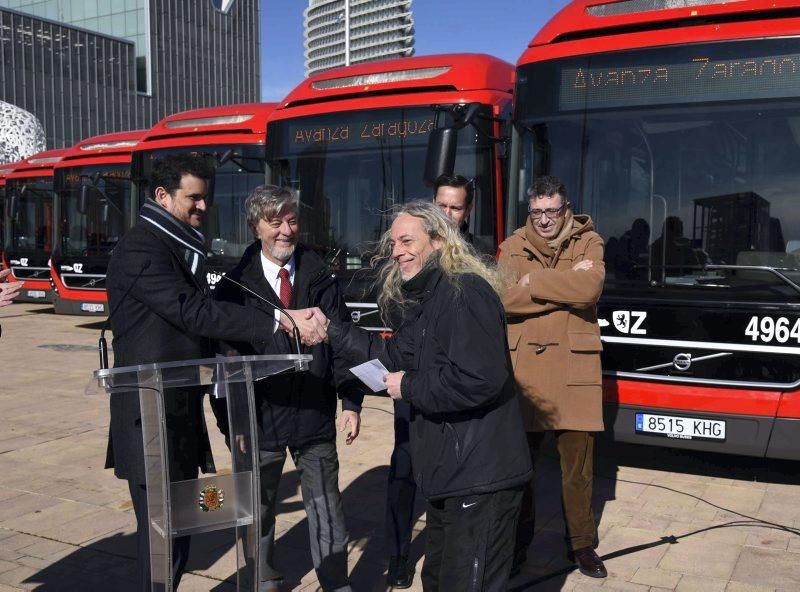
92 307
680 428
36 293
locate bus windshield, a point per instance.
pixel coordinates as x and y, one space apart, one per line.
239 169
30 227
350 168
93 219
685 157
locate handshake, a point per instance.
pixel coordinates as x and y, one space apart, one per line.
312 323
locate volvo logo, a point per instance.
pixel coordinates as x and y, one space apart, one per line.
355 315
682 362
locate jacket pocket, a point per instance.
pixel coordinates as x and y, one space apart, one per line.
584 359
514 338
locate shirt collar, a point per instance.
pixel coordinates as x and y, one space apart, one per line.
271 269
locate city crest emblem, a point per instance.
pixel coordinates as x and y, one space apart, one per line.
211 498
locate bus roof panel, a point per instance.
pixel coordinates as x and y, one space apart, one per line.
115 147
455 72
38 165
245 118
581 25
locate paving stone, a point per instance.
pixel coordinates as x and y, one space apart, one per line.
740 587
768 567
700 584
653 576
7 565
696 557
55 439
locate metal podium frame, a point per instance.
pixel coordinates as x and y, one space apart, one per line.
209 503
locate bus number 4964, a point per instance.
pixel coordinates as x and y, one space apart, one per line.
770 329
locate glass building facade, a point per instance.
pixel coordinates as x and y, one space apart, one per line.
87 67
126 19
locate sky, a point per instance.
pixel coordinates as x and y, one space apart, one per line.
502 28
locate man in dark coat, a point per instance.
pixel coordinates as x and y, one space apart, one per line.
295 412
161 312
449 361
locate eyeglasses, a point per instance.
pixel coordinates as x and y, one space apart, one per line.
551 213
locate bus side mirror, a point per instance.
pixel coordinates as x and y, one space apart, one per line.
440 158
83 199
104 213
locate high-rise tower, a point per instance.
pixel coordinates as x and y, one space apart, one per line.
344 32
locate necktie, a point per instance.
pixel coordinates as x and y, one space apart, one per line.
286 287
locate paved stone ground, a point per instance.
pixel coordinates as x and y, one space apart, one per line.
669 520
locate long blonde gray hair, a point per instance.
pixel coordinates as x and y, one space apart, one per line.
455 257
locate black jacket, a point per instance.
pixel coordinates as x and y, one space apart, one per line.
167 316
293 410
466 433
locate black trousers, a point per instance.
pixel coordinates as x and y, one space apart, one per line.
180 545
401 489
470 542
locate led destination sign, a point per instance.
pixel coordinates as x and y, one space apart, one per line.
358 129
683 75
75 179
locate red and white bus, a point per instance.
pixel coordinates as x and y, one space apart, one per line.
29 224
92 209
675 126
233 137
4 172
352 141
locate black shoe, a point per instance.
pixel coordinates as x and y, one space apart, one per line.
589 563
400 574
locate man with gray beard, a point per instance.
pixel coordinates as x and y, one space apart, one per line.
295 412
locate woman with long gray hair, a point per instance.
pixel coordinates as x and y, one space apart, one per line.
448 359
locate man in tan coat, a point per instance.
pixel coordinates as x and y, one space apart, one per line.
556 260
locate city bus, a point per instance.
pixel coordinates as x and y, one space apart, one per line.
29 224
93 208
233 138
4 171
675 126
353 142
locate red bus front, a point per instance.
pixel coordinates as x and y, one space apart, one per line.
93 209
676 129
352 141
29 224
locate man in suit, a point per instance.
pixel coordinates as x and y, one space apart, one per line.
295 412
162 311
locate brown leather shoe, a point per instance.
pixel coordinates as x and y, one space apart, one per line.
589 563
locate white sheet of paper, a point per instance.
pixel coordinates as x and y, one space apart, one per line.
371 373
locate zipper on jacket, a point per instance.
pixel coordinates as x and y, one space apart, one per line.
475 564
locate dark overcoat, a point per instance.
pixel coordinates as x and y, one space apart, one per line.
295 409
168 315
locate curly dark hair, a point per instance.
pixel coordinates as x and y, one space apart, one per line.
170 169
547 186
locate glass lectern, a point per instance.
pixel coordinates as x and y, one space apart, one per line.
209 503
